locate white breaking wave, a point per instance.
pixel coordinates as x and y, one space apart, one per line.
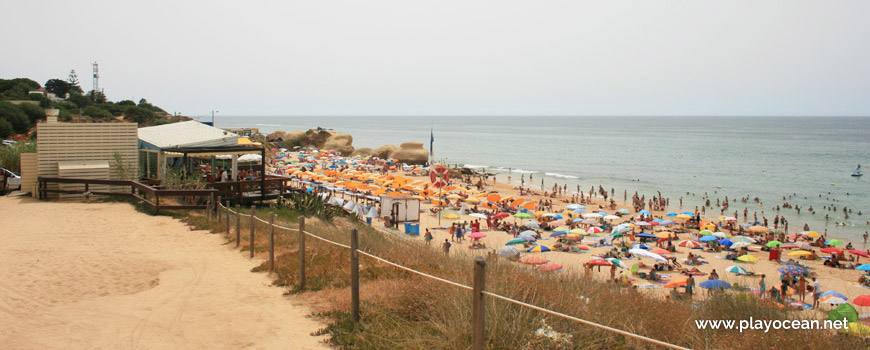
473 166
561 176
522 171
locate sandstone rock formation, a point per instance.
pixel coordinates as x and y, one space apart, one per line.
363 152
411 153
385 151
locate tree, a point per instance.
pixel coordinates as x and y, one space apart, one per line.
73 81
17 89
139 115
5 129
79 100
58 87
97 96
96 112
15 116
33 112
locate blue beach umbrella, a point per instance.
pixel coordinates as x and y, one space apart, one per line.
577 220
865 267
640 246
688 213
559 233
671 213
644 212
830 292
667 222
726 242
792 269
646 235
709 238
715 284
580 210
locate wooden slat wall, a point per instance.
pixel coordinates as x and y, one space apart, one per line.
29 173
87 141
94 173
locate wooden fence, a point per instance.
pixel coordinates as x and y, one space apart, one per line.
145 193
478 289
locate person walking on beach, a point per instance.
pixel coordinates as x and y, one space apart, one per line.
445 246
428 237
612 271
762 286
817 293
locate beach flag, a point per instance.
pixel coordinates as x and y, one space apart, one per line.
431 143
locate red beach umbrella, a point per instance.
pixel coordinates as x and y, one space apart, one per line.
598 262
549 266
859 252
832 251
689 244
863 300
502 215
660 251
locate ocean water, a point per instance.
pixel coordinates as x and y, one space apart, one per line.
764 157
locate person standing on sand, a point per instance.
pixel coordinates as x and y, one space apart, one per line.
802 288
428 237
612 271
762 286
817 293
690 286
445 246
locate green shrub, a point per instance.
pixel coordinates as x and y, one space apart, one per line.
96 112
10 157
15 116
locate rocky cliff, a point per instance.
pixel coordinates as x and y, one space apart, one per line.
409 152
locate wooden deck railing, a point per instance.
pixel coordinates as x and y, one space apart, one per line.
192 199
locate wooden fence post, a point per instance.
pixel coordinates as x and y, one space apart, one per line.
211 206
272 242
301 253
354 275
478 314
238 224
253 225
216 210
228 217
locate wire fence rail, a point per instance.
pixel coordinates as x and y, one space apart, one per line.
478 289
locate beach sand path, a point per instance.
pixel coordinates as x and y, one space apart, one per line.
103 276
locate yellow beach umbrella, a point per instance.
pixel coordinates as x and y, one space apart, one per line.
450 216
472 200
813 234
747 258
454 196
683 216
800 253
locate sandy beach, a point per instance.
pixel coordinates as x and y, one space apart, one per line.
844 281
103 276
841 280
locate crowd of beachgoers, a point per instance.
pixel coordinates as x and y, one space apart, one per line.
645 242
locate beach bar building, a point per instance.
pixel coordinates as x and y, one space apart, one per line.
157 142
184 144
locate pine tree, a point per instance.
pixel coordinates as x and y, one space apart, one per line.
74 82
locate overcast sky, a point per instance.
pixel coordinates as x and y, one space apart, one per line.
447 57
